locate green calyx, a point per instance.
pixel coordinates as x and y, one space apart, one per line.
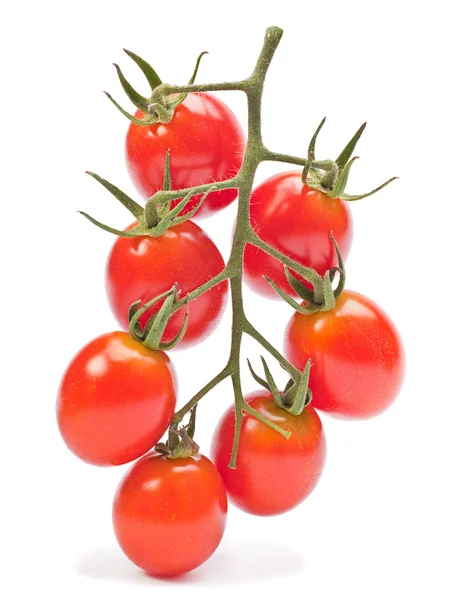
322 296
151 335
332 178
296 395
157 216
159 107
180 443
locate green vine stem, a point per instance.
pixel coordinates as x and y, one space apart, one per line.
255 153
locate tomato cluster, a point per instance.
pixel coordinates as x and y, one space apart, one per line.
117 397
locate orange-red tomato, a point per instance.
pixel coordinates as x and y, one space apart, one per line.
206 143
273 474
296 220
357 356
169 515
116 400
141 268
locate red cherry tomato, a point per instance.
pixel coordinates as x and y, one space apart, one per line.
273 474
141 268
357 354
169 515
116 400
297 221
206 144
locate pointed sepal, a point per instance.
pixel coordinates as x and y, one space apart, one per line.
133 207
259 380
328 295
342 180
298 395
195 209
311 152
136 312
128 234
153 335
151 76
269 383
178 337
360 196
138 331
341 268
192 422
149 120
287 298
299 287
137 99
346 153
181 97
197 64
167 186
260 417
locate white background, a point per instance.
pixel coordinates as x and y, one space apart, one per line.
379 524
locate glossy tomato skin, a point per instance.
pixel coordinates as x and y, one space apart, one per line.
141 268
206 144
272 475
169 515
115 400
297 221
357 356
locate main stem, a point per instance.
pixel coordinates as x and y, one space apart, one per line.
255 153
252 158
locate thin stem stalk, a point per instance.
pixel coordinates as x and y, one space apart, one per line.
168 195
324 165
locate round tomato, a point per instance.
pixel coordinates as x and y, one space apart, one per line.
169 515
141 268
116 400
272 474
296 220
357 356
206 144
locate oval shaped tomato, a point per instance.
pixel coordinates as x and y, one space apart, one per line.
141 268
357 356
296 220
169 515
206 144
116 400
272 474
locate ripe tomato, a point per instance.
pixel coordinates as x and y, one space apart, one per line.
357 356
296 220
141 268
169 515
206 144
272 474
116 400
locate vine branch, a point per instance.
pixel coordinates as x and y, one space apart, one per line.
166 89
167 195
324 165
178 416
255 153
